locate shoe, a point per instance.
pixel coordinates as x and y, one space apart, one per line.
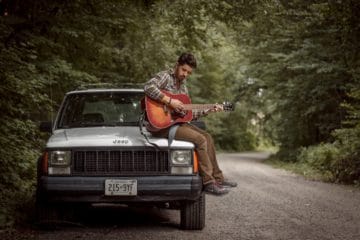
227 183
215 189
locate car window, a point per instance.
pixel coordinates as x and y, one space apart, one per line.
100 109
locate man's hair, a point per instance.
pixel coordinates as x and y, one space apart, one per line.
187 58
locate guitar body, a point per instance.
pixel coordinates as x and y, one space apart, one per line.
161 116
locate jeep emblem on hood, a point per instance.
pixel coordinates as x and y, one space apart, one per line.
122 141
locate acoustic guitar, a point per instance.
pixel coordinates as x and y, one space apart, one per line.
161 116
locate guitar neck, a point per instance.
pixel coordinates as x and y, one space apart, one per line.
198 106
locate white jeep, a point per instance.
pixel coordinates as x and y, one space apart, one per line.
99 152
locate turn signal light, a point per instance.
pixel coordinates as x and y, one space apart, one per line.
45 163
196 162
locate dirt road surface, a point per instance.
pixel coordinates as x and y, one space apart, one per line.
268 204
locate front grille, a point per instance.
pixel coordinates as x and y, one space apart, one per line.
100 162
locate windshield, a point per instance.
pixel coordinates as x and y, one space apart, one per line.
101 109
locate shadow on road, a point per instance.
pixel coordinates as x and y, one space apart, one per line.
116 217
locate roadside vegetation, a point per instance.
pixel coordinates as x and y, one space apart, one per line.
291 68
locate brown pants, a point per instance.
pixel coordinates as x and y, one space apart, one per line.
204 144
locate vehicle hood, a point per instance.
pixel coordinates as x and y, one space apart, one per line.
107 137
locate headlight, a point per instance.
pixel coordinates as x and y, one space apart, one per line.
60 158
181 157
59 163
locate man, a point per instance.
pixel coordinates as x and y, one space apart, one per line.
174 81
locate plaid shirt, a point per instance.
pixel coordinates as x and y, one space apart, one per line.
166 80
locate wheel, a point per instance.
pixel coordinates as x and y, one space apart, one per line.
47 216
193 214
53 216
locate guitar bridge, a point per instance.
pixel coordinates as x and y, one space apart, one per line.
178 114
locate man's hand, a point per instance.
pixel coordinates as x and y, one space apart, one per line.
177 105
216 108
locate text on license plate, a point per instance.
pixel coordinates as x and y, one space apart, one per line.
119 187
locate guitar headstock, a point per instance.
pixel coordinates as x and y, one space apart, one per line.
228 106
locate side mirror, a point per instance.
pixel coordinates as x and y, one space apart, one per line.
46 127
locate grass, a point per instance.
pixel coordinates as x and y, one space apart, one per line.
302 169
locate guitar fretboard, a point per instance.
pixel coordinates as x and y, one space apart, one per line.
199 106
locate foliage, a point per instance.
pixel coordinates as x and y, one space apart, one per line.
338 161
304 62
322 157
299 167
347 167
18 156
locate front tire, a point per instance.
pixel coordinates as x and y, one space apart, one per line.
193 214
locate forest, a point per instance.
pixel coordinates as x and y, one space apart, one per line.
291 67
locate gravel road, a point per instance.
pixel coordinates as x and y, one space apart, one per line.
268 204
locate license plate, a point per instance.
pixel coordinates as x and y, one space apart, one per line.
117 187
